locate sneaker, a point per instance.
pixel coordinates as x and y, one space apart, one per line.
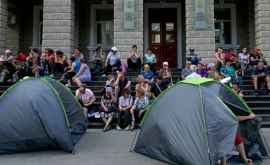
106 128
127 128
118 128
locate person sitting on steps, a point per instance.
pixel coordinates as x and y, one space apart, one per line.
125 104
108 108
140 104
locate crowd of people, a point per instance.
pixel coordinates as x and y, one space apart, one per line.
119 101
48 63
233 65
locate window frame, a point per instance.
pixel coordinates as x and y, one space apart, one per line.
232 8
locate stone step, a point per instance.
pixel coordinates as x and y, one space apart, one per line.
257 97
258 103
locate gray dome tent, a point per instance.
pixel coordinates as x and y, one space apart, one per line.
39 114
191 123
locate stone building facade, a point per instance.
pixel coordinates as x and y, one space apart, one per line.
169 27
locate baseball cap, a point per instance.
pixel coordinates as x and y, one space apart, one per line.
114 48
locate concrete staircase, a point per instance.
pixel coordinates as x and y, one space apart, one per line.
259 101
260 104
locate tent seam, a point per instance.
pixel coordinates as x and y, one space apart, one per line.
68 89
204 120
59 98
227 108
240 98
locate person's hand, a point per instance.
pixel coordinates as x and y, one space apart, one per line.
252 116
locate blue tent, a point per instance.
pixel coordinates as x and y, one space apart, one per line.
39 114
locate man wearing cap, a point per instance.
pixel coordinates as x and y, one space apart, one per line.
166 75
113 60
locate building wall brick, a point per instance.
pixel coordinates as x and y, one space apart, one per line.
123 40
203 41
262 28
59 25
3 25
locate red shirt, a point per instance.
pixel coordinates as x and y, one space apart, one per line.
21 57
229 56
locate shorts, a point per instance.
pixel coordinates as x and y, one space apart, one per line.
238 139
84 78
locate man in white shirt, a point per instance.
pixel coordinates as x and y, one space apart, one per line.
113 60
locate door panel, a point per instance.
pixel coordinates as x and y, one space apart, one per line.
163 35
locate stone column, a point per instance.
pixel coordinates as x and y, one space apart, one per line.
262 26
3 25
203 41
59 25
124 39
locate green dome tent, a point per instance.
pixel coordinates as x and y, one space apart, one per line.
191 123
39 114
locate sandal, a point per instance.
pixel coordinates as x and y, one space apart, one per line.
248 162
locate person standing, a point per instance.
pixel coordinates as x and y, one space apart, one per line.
166 75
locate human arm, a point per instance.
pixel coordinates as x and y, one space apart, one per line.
81 71
155 58
91 101
107 59
249 117
103 105
128 85
133 107
114 99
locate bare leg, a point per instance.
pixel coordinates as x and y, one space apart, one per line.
104 120
141 112
268 82
224 161
85 111
241 149
132 119
108 123
255 82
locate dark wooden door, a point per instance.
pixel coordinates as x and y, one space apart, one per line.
163 35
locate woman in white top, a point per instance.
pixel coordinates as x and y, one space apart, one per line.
125 103
244 59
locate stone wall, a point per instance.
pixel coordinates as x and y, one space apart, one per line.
123 40
59 25
3 25
203 41
251 18
262 26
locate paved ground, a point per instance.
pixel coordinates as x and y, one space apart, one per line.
96 148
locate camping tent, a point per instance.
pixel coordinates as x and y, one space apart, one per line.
191 123
39 114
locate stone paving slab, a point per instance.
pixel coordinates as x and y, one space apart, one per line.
95 148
